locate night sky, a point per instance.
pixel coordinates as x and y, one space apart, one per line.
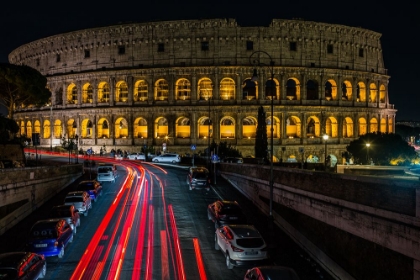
396 21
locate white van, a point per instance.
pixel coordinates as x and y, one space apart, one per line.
106 172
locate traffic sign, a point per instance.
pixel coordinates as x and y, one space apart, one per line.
193 147
215 158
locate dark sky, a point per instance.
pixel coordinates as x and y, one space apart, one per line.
396 21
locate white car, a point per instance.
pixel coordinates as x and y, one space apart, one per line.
137 156
241 245
172 158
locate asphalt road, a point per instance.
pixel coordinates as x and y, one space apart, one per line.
169 203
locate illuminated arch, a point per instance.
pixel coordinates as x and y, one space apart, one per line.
87 93
313 127
361 92
249 89
58 129
249 127
22 128
390 125
47 129
37 127
161 127
121 94
183 128
161 90
141 90
205 89
28 129
227 128
331 127
272 89
348 128
121 128
103 128
330 90
227 89
293 127
86 130
103 92
373 93
373 127
71 128
362 126
293 89
276 127
183 89
72 94
140 128
383 125
205 127
382 93
347 90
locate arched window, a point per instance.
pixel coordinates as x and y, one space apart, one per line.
249 127
249 89
347 127
47 129
140 128
122 92
205 128
87 94
227 89
183 128
161 127
183 89
103 128
72 94
141 91
121 128
103 92
292 89
161 90
312 90
205 89
227 128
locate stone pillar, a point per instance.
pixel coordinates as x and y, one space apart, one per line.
95 93
130 88
239 80
194 87
111 91
216 87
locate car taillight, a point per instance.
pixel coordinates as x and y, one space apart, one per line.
236 249
55 243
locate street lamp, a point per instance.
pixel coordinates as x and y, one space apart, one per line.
325 137
254 59
77 148
51 127
367 151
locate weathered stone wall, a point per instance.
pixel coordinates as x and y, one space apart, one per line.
357 226
24 189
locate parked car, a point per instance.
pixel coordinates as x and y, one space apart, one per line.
68 213
81 201
92 187
106 172
241 245
49 237
119 156
172 158
198 178
271 273
22 265
137 156
223 212
234 160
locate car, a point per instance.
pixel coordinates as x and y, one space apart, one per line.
234 160
137 156
49 237
106 172
119 156
271 273
172 158
223 212
242 245
198 178
68 213
81 201
22 265
92 187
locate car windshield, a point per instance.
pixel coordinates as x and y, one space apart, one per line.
200 175
8 273
74 199
58 213
86 187
231 210
250 242
105 170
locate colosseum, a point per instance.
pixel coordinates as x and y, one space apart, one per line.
177 84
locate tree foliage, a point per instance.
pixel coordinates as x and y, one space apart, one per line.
8 130
261 143
22 86
384 149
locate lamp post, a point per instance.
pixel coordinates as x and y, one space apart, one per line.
255 60
77 147
51 127
325 137
367 151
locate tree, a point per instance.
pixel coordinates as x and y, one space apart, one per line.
384 149
261 143
22 86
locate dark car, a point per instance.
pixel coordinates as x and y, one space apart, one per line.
271 273
49 237
22 265
68 213
223 212
80 199
198 178
92 187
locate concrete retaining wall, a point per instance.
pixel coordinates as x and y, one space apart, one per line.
22 190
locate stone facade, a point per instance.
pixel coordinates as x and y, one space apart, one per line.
186 82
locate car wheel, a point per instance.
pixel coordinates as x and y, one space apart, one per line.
216 246
43 271
71 238
61 254
229 265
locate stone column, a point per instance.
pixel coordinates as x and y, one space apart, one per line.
130 88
